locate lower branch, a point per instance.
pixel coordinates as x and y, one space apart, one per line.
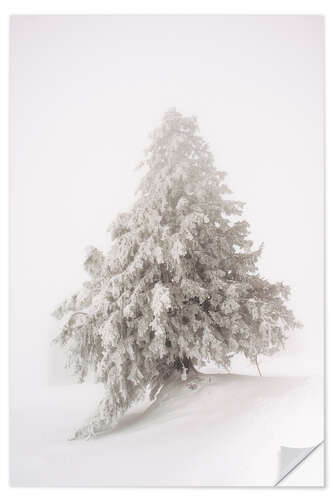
256 361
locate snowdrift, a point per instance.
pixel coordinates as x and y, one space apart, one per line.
221 430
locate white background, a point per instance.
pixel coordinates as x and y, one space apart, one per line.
288 7
86 92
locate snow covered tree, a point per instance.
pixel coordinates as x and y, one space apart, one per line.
179 287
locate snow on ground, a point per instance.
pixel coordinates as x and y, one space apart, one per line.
227 431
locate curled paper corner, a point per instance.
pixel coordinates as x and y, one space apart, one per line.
290 458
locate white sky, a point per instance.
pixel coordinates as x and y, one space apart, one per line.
86 92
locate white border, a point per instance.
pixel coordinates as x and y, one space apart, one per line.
291 7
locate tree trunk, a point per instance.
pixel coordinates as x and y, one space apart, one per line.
185 363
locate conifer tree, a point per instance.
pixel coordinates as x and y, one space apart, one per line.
179 287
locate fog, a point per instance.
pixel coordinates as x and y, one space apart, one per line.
85 94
